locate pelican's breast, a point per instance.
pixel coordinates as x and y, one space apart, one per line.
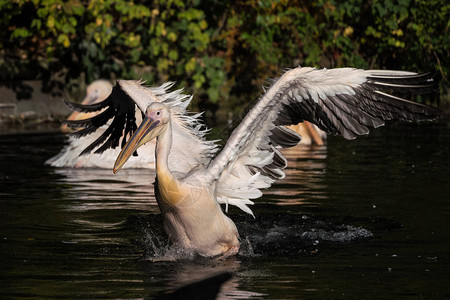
193 218
169 189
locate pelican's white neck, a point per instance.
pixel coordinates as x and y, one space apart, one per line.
167 190
163 147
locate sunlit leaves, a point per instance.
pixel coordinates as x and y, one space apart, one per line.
190 65
215 48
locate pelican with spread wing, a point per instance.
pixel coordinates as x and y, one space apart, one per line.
70 156
193 182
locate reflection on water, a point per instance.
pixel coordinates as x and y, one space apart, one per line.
304 183
192 271
352 219
94 186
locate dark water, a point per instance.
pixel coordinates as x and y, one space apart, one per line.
357 219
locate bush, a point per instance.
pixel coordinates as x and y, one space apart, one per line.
219 50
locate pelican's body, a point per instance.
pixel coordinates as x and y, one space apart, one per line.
183 203
193 217
191 185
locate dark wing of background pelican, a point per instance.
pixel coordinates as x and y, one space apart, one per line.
339 101
117 106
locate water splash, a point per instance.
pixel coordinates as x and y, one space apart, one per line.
295 234
270 235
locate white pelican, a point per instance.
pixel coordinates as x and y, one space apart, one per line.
191 184
69 156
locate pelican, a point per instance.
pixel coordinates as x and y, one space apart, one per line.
70 156
191 185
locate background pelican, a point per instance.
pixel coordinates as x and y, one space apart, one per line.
192 183
70 155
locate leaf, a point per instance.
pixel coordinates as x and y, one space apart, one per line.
51 21
36 23
190 65
172 36
173 55
213 94
199 80
64 40
20 33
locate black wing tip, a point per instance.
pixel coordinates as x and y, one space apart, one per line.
87 108
76 124
432 113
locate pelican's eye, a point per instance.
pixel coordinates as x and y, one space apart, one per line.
158 113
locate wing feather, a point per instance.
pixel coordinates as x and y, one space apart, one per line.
339 101
87 107
353 109
120 107
284 137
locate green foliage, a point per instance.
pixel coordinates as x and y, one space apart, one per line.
221 50
388 34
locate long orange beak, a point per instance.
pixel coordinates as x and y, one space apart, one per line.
143 134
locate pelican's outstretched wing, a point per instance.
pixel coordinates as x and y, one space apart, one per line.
119 118
339 101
